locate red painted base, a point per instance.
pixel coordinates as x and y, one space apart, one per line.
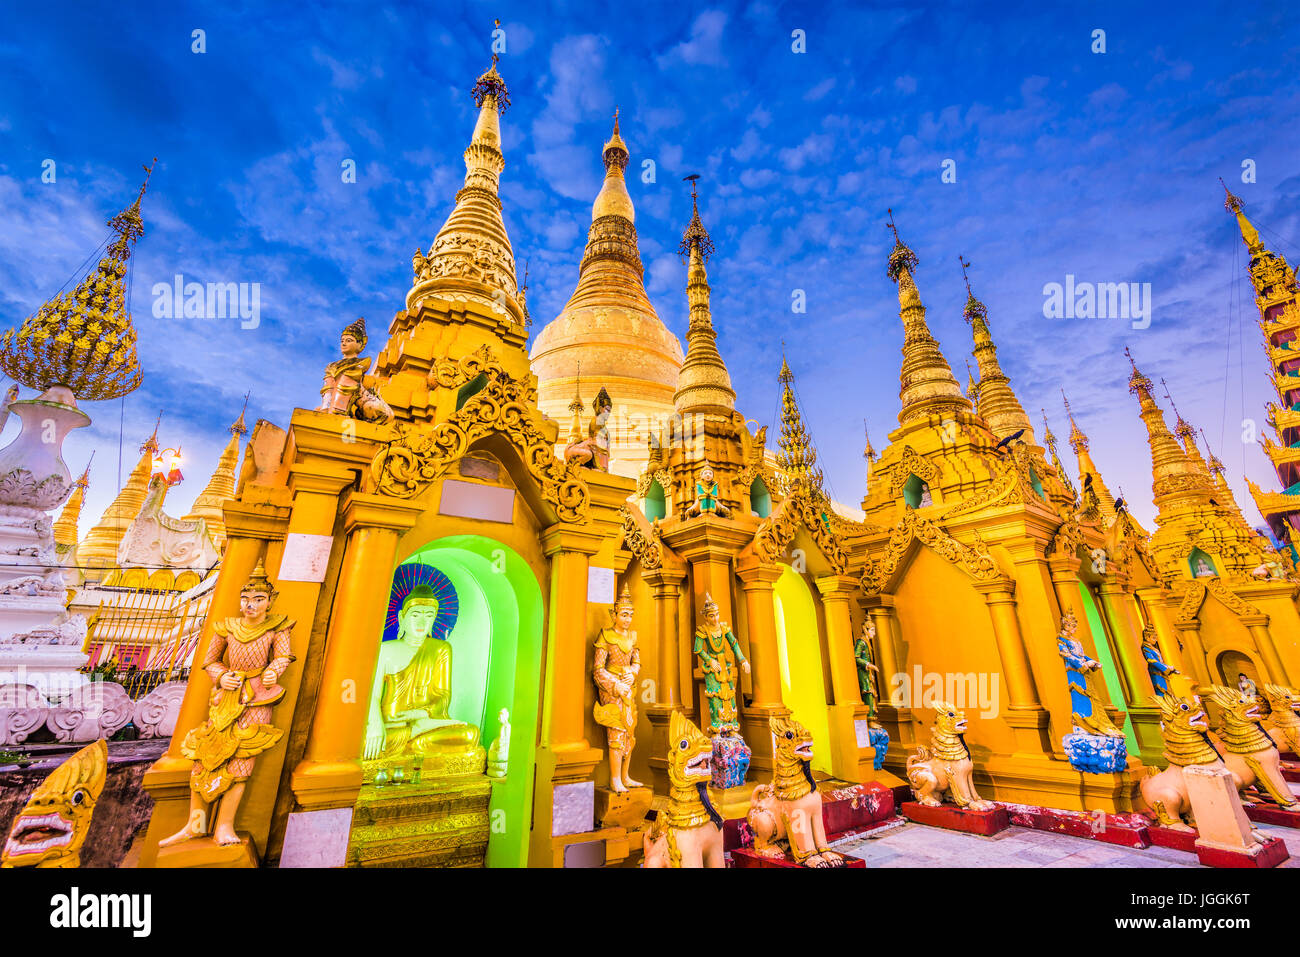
745 857
954 818
1291 771
856 809
1126 830
1168 837
1272 814
1270 854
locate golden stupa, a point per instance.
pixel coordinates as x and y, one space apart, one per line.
608 334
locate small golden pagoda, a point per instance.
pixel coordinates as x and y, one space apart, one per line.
65 526
221 485
610 331
96 554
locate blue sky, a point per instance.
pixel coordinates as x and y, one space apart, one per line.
1099 165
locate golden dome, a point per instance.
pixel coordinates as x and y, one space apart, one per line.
609 327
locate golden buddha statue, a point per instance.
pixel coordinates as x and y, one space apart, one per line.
410 696
344 390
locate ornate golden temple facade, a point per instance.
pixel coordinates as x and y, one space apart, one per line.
462 614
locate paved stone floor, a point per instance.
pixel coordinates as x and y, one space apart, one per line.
917 845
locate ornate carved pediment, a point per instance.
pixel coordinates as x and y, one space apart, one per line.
1065 543
801 508
420 455
453 373
912 463
975 559
1189 607
647 548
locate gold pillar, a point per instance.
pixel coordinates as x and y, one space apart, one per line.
897 719
1025 714
1258 625
848 760
330 773
666 587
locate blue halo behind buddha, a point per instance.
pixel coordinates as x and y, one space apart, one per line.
405 579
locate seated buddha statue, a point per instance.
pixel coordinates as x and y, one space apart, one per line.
411 693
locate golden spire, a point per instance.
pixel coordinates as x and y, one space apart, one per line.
65 526
1217 470
798 457
1249 233
1049 440
1173 475
927 386
1089 475
471 258
868 453
997 402
1186 433
84 339
98 551
703 385
208 504
609 324
613 198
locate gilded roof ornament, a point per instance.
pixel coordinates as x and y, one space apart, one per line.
975 310
696 235
1138 384
84 339
797 456
901 257
491 84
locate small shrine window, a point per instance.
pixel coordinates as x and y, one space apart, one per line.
470 389
916 493
1202 566
655 506
760 501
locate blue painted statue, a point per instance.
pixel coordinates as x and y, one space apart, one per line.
1156 666
1096 745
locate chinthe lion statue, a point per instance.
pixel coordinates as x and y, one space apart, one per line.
948 769
1283 724
788 812
52 828
1248 751
1186 731
688 832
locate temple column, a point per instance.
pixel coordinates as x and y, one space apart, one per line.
666 587
1025 713
757 580
851 754
564 797
330 773
895 716
1258 625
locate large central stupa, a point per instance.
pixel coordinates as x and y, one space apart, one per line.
609 335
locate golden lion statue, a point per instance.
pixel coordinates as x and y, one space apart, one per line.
949 769
1249 752
789 810
688 832
1184 726
1283 724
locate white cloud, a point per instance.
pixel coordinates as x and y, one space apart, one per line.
704 47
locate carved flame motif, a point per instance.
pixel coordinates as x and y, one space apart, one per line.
418 456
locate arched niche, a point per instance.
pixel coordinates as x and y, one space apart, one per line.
656 505
760 500
496 663
799 652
